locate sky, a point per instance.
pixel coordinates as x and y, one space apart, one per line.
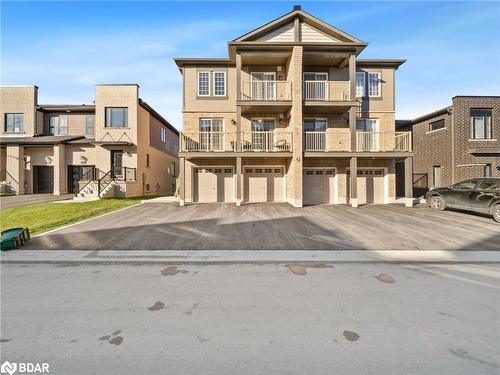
66 47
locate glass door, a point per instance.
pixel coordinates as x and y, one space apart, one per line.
263 134
117 164
263 86
211 134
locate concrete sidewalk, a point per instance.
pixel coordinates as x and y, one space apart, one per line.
242 256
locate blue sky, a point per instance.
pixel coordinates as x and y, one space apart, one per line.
452 48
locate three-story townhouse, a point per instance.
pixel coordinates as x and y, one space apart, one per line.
117 146
292 115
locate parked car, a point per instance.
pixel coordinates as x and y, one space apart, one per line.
478 195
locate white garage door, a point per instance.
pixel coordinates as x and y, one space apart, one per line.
371 186
213 185
264 184
318 186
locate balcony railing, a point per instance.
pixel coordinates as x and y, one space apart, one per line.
377 141
255 141
266 141
266 91
365 141
326 90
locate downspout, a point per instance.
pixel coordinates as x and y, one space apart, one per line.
452 146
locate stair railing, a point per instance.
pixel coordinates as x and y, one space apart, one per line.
90 176
9 180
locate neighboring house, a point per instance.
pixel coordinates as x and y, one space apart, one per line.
118 146
292 115
456 143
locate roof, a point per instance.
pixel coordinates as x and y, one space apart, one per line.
393 63
430 115
157 116
303 16
66 107
402 123
181 61
39 140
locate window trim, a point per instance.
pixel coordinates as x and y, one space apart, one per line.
225 83
198 82
87 125
379 74
108 119
364 84
14 114
472 126
429 130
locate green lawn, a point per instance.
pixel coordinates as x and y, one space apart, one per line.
46 216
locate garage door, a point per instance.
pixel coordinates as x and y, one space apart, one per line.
264 184
370 186
213 185
318 186
43 179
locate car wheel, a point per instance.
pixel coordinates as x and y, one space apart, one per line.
437 203
495 211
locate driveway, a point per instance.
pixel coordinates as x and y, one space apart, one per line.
24 200
277 226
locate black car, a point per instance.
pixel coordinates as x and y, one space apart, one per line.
478 194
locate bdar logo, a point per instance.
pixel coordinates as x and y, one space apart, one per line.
8 368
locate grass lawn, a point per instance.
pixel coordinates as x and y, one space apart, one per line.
46 216
6 194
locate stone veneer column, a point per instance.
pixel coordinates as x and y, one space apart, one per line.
60 169
295 171
15 165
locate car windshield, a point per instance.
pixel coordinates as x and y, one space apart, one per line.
490 185
465 185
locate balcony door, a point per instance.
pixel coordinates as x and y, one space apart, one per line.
368 134
263 134
315 134
263 86
315 86
211 134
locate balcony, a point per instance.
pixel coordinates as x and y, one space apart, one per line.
338 140
326 91
265 96
224 142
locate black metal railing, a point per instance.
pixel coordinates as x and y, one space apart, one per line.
103 179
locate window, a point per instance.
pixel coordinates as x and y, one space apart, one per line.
367 125
147 160
360 84
14 122
172 169
211 125
315 125
89 125
436 125
203 83
58 125
116 117
490 185
480 123
163 135
219 83
263 125
487 170
374 83
465 185
437 174
147 188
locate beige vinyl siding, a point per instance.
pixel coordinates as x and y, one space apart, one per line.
310 34
282 34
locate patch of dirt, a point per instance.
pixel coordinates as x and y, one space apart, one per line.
351 336
301 269
157 306
172 271
383 278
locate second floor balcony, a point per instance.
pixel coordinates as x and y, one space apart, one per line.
326 91
267 91
248 141
340 140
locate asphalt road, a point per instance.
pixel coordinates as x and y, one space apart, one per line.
253 319
166 226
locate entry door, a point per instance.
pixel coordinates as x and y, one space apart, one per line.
211 134
316 86
117 163
264 185
318 186
370 136
43 180
263 86
262 139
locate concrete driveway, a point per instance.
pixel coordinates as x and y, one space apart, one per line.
24 200
277 226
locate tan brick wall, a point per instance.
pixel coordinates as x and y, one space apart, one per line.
19 99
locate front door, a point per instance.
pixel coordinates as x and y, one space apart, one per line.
117 163
77 173
43 180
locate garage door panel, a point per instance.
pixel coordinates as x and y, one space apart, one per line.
371 186
213 185
264 185
318 186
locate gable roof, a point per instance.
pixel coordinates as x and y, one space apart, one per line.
335 34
